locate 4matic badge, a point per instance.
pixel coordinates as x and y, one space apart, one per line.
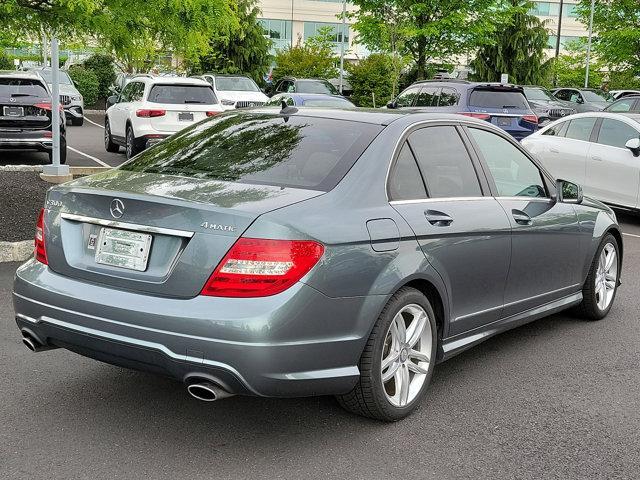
217 226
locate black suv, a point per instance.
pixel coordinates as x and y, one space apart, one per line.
25 114
303 85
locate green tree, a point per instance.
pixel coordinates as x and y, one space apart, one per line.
568 70
245 50
102 65
518 49
372 78
426 30
87 84
5 62
616 27
315 58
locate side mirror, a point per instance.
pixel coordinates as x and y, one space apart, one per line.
634 146
568 192
393 104
112 100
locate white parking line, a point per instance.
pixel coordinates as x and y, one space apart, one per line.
97 160
631 235
94 123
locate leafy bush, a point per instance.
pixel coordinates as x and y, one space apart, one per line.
5 62
313 59
102 66
87 84
373 75
624 79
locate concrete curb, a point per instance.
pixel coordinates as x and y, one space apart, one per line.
16 251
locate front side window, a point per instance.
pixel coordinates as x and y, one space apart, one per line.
428 97
558 130
622 106
615 133
408 97
581 128
515 175
182 94
445 163
316 86
405 182
563 95
127 92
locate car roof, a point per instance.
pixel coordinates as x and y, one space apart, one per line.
171 79
20 74
310 96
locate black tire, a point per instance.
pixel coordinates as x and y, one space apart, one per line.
368 397
77 122
589 309
131 147
109 146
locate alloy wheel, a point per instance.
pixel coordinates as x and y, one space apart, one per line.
107 135
606 276
129 143
406 355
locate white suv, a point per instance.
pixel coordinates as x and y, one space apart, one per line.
152 108
236 91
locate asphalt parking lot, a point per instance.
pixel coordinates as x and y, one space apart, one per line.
85 148
558 398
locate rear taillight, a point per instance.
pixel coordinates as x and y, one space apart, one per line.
48 134
256 267
212 114
530 118
46 106
40 251
481 116
149 113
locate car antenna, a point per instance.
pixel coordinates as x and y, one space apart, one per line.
286 109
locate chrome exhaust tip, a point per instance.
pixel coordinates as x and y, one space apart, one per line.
30 343
207 391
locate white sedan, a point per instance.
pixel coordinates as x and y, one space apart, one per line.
598 150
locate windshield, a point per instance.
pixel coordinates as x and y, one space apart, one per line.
263 149
597 96
64 77
315 86
538 94
494 98
181 94
236 84
22 87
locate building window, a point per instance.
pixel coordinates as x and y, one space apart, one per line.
311 29
279 31
565 41
552 9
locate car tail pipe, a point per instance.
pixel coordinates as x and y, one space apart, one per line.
33 343
207 391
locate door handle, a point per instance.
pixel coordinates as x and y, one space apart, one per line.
438 219
596 158
520 217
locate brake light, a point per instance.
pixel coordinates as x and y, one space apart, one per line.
256 267
530 118
40 250
212 114
47 106
481 116
48 134
149 113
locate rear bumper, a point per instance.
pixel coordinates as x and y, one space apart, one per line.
25 141
297 343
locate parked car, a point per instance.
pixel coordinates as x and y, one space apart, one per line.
584 99
598 150
236 91
26 114
313 252
547 107
310 100
502 105
617 94
70 98
628 104
303 85
152 108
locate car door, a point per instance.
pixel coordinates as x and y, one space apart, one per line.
546 263
568 153
464 233
118 115
613 172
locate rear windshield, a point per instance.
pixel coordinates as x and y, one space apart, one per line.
264 149
181 94
315 86
21 87
236 84
63 77
492 98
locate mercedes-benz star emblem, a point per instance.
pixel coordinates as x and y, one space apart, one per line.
117 208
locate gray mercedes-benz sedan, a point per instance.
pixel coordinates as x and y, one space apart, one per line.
311 252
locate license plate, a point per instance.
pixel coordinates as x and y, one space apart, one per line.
13 111
124 249
185 117
504 121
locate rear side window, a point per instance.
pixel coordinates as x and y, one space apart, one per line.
182 94
580 128
445 163
449 97
294 151
615 133
494 98
22 87
405 181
